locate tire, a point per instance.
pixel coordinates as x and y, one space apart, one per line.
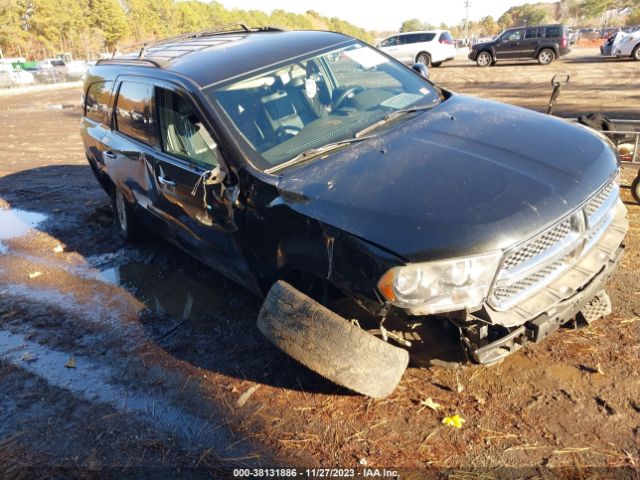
425 58
330 345
436 64
635 188
126 221
636 52
546 56
484 59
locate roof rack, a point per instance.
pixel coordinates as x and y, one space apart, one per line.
228 28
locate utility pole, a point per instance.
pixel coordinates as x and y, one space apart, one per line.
467 4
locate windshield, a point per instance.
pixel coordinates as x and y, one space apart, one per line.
318 100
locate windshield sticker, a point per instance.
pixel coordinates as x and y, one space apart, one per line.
310 87
366 57
402 100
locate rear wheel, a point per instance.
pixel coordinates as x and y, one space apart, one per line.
546 56
126 220
424 58
484 59
636 53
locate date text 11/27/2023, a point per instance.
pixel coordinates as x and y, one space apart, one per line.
315 473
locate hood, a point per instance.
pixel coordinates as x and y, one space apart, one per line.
476 46
469 176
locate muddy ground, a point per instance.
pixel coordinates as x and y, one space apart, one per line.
124 360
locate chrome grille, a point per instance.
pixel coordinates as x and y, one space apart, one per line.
533 264
596 202
538 245
514 291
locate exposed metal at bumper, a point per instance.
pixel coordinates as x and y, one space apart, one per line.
573 280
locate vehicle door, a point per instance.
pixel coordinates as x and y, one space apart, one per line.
529 45
193 193
128 147
508 46
390 46
409 46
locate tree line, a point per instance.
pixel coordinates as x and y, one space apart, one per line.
576 13
37 29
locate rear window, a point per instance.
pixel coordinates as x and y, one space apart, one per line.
97 102
553 32
134 114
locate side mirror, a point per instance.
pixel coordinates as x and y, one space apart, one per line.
422 69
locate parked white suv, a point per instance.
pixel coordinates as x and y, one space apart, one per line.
627 45
431 47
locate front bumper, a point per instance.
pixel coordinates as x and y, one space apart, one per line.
555 304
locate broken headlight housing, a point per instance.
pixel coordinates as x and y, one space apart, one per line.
442 285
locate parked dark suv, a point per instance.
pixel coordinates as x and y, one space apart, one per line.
545 43
366 203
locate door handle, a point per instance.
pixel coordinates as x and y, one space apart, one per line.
109 154
166 182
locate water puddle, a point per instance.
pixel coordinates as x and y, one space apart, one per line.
172 293
15 223
95 382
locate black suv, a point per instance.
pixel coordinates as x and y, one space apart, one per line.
545 43
366 203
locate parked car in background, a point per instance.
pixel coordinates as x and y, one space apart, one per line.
545 43
70 71
606 49
44 74
627 45
431 47
16 77
314 170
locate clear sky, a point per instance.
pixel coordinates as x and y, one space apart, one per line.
384 15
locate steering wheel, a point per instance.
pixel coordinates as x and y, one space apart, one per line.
287 130
344 95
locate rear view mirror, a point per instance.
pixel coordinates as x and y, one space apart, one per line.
216 176
422 69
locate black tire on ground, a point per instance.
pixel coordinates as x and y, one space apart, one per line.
330 345
436 64
484 59
424 57
636 52
546 56
635 188
126 221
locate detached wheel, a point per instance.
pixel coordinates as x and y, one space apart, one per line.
546 56
635 188
636 52
330 345
484 59
424 58
126 220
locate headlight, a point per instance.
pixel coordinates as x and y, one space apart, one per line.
440 286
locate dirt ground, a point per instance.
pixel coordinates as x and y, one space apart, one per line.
136 361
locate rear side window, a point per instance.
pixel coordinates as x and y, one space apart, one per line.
97 102
134 115
553 32
446 37
534 33
416 38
